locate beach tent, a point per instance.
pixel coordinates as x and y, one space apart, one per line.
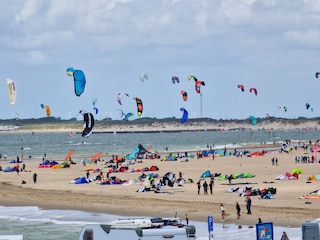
81 180
206 174
137 152
222 152
205 153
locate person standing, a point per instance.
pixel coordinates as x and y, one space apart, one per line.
34 178
205 187
248 205
238 208
211 184
284 236
199 186
230 179
187 219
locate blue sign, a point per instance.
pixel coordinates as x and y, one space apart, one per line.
210 224
264 231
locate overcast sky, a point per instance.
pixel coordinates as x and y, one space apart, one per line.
270 45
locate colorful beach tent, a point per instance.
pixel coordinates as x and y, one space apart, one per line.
138 152
206 174
81 180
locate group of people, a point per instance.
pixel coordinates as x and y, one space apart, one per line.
237 207
205 186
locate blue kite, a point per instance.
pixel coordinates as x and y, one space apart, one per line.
184 116
79 80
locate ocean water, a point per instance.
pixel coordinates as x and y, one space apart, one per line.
35 223
58 144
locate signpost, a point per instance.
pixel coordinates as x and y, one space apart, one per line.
210 227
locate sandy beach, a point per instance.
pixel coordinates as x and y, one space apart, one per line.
53 189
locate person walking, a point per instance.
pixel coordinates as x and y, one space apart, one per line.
223 212
238 208
248 205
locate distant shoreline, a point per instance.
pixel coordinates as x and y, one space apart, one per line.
157 125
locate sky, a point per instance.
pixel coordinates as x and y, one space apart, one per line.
270 45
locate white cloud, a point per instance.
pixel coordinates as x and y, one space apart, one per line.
304 38
29 9
35 57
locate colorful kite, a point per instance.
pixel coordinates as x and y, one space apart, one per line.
175 79
192 77
94 101
254 90
125 116
79 80
241 87
184 115
47 108
308 106
197 82
253 120
286 146
12 91
88 123
143 76
184 95
120 95
139 106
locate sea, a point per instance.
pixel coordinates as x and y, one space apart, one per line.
36 223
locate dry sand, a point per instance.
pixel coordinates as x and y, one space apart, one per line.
53 190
